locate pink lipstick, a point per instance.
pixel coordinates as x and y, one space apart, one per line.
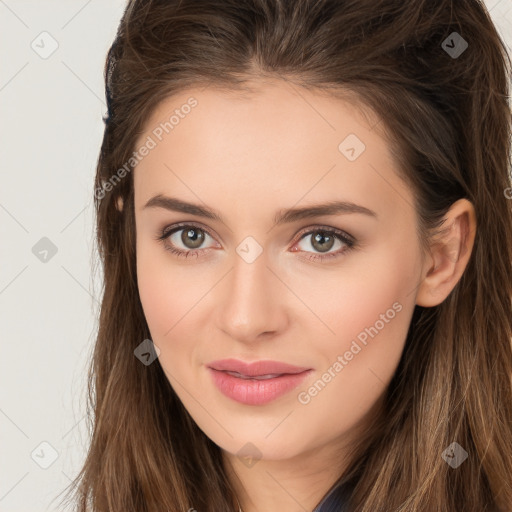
255 383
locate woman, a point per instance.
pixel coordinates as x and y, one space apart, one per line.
305 232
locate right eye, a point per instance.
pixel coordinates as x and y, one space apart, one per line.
190 236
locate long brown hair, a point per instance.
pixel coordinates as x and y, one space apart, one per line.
448 121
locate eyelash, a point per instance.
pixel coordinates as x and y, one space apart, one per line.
350 242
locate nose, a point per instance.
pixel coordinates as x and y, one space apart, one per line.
251 303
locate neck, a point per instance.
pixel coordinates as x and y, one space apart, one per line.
291 485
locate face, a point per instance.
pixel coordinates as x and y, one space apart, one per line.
266 277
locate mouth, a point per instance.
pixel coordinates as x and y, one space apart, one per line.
255 383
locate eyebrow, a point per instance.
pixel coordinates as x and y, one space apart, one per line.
283 216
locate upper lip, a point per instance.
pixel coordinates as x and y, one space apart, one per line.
255 368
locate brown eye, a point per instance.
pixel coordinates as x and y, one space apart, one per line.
192 237
322 241
184 240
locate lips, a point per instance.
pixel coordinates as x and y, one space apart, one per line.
256 383
257 369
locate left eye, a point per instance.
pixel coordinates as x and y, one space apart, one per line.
322 239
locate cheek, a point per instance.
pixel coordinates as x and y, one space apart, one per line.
164 296
366 291
172 298
161 293
368 308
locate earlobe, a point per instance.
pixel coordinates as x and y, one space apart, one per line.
449 255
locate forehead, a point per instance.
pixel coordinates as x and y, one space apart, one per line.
279 143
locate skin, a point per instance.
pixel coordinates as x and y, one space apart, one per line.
249 156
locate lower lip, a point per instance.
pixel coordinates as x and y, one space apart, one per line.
256 392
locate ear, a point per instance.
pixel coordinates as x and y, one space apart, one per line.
449 254
119 204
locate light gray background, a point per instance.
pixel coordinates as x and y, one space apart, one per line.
50 133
